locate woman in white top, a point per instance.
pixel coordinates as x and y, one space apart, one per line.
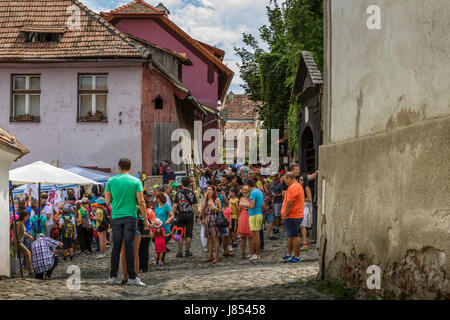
307 212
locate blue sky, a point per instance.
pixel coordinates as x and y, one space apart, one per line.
217 22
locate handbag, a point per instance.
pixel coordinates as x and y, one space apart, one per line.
141 226
221 222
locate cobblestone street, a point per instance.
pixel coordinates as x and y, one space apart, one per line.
182 278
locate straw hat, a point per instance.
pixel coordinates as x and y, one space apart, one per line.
157 223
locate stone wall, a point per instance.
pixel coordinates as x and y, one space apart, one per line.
387 202
384 185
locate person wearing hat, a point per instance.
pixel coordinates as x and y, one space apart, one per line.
102 224
158 233
44 259
173 190
68 230
46 209
86 232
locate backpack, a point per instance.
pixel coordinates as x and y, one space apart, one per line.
86 220
105 221
161 170
186 197
68 229
155 170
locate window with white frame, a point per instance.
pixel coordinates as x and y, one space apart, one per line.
92 97
26 97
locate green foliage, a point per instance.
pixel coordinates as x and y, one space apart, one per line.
249 67
293 127
337 289
294 26
275 94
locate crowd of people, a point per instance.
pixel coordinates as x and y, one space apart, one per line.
59 226
233 203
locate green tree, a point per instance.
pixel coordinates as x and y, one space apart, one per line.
294 26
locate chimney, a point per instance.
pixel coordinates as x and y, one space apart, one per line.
163 9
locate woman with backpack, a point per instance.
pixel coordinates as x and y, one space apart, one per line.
102 223
68 229
85 219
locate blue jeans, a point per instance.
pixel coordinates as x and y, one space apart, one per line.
268 217
27 243
123 229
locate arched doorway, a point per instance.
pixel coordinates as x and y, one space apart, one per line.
308 151
309 165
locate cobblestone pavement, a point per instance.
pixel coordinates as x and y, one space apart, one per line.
182 278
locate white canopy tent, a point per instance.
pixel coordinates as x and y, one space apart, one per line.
41 172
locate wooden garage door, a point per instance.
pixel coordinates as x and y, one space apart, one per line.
161 146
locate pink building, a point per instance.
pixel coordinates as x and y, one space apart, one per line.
208 79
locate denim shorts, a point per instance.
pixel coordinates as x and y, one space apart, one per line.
293 227
67 243
269 217
277 209
224 231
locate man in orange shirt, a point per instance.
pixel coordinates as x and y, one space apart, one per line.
292 214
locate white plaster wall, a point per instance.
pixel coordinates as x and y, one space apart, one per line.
59 136
5 159
400 74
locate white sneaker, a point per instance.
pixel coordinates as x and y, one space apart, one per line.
248 256
136 282
205 249
112 280
255 257
155 263
100 256
230 248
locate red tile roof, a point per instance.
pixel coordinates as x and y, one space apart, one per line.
137 6
213 49
9 141
96 38
240 107
205 50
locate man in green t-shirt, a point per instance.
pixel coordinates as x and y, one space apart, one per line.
125 192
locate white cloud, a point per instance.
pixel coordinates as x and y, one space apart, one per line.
220 23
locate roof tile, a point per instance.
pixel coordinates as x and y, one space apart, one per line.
137 6
240 107
10 142
316 75
96 38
